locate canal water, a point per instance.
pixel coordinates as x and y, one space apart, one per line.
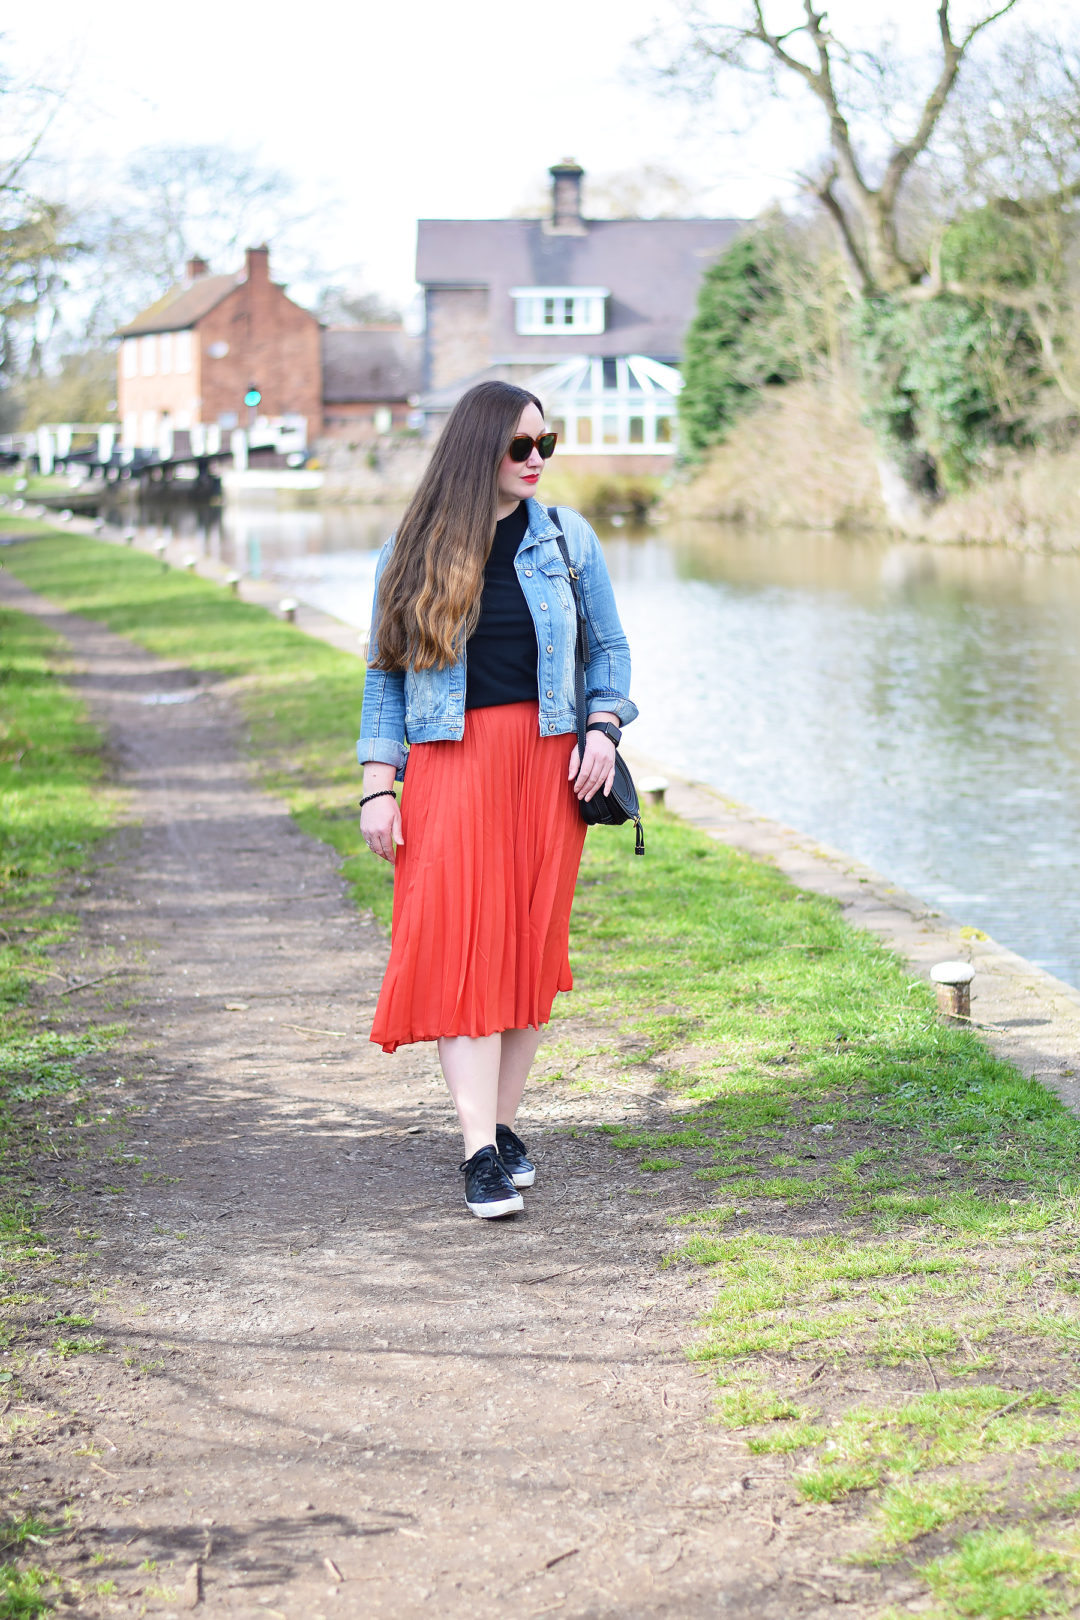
917 707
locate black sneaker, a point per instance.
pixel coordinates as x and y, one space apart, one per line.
511 1150
488 1189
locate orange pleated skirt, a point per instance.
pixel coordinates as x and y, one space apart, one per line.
483 883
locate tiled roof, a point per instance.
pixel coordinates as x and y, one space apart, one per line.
652 267
183 306
369 363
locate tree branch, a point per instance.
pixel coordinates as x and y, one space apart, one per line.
977 28
952 54
839 129
857 269
775 42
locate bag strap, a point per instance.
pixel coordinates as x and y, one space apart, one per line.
581 650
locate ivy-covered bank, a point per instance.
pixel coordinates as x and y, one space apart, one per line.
949 384
887 1252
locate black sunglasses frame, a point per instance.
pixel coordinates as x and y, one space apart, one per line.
523 440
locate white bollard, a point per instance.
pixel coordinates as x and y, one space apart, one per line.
233 582
287 608
653 788
952 980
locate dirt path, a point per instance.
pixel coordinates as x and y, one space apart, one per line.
326 1389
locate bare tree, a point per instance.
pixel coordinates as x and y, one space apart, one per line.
865 208
172 203
349 305
38 240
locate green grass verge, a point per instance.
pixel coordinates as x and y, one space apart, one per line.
885 1213
53 809
29 486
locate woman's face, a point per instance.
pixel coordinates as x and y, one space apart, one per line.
518 479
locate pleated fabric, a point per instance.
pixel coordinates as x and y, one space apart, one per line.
483 883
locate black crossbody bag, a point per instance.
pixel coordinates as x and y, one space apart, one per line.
621 804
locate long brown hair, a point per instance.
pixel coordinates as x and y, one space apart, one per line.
429 593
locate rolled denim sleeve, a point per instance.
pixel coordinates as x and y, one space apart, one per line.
382 718
607 674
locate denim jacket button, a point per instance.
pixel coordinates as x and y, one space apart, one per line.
544 606
551 725
528 573
550 647
551 694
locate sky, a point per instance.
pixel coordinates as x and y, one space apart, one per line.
388 112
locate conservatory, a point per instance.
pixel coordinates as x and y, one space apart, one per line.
624 406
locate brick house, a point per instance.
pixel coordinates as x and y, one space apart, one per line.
190 358
588 313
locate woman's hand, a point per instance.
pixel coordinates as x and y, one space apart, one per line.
596 772
380 827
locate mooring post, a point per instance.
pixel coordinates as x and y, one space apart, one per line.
653 788
233 582
287 608
161 547
952 980
190 563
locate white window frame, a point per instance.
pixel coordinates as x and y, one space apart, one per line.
557 311
165 354
130 354
149 355
182 352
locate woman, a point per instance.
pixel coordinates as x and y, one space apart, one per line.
471 662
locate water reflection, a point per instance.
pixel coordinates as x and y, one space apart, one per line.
916 707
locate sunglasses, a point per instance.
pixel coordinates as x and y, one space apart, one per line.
521 446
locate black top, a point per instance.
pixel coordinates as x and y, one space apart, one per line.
501 653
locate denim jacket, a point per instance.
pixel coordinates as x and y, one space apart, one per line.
415 706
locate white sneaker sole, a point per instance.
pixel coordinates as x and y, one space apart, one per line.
501 1206
524 1178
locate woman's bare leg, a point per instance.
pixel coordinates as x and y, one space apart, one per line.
470 1066
518 1050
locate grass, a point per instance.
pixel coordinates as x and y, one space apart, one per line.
53 810
27 486
25 1593
893 1207
885 1215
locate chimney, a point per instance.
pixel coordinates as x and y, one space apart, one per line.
566 180
195 268
257 264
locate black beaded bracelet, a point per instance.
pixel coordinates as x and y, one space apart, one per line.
383 793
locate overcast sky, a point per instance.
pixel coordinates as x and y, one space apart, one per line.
388 112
